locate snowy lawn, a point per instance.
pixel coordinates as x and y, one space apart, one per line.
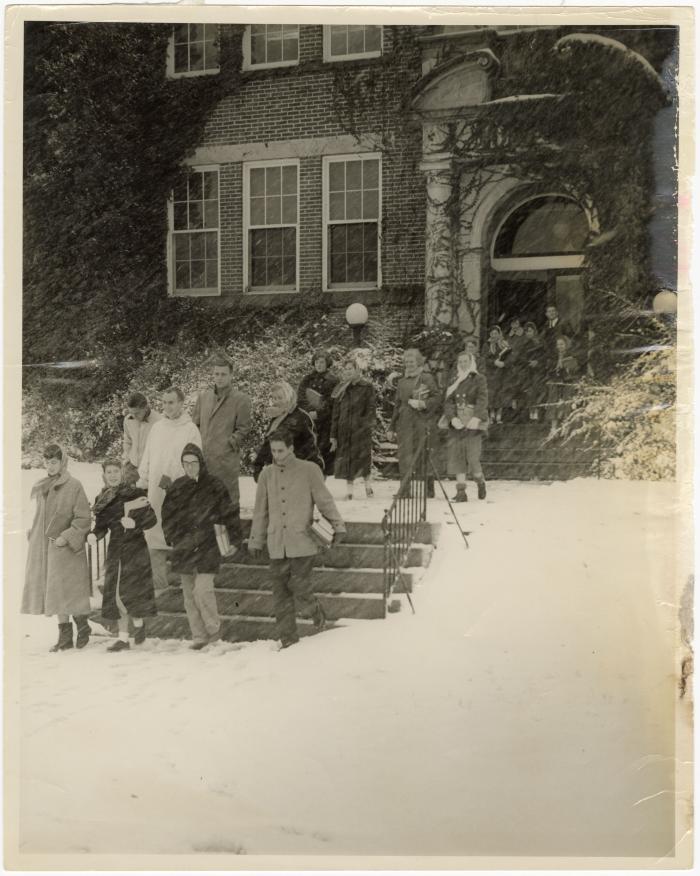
526 708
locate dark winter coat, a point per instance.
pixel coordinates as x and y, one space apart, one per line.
299 424
560 387
190 510
128 564
497 377
324 385
472 392
412 425
533 375
354 414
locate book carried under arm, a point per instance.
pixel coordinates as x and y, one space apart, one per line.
226 549
135 505
322 532
315 399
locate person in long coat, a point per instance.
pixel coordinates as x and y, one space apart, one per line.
534 369
284 413
319 404
193 506
354 413
160 466
122 510
222 414
415 411
496 353
465 412
560 384
57 581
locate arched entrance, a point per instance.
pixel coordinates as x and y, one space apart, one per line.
536 259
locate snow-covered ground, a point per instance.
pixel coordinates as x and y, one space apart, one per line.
527 708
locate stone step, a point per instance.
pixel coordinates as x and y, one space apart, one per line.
371 533
260 603
236 576
349 556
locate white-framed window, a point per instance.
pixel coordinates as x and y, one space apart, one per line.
270 45
352 205
193 50
271 226
194 238
345 42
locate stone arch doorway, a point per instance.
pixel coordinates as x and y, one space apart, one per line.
535 258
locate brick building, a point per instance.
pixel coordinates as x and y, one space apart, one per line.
292 191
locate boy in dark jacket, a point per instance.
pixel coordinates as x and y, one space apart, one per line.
192 507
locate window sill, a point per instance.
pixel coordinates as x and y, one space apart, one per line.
341 59
272 290
195 293
275 65
192 73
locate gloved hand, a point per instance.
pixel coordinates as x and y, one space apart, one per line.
338 537
128 522
474 423
92 539
456 423
416 404
60 541
334 444
165 482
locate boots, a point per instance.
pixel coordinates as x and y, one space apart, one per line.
461 495
83 629
65 638
481 487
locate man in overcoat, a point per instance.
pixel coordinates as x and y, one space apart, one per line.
287 491
222 414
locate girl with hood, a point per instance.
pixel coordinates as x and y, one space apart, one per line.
466 412
284 413
128 585
319 404
354 412
56 579
193 505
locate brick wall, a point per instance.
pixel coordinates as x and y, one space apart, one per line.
296 103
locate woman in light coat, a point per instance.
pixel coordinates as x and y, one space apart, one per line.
56 580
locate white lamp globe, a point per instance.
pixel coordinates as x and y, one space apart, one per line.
357 314
665 302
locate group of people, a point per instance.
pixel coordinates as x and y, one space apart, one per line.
167 502
532 371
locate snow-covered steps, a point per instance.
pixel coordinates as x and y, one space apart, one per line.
246 576
352 556
520 451
371 533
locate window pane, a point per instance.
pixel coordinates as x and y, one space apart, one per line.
182 247
274 31
196 32
179 216
337 206
274 271
212 273
180 33
196 56
211 214
290 49
339 40
370 236
289 241
211 56
336 176
257 50
354 272
211 239
338 272
289 208
370 269
274 51
373 37
289 269
258 244
198 269
257 272
195 186
257 181
354 238
356 39
370 173
354 205
197 246
181 61
289 180
274 242
195 215
182 275
353 174
211 184
180 189
258 30
290 31
257 211
370 205
273 210
273 180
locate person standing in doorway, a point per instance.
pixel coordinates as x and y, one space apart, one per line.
137 426
287 491
160 466
56 580
222 414
193 506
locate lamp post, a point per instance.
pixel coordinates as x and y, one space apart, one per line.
665 303
356 316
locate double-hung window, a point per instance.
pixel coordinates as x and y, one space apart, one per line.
194 234
270 45
193 50
352 215
271 219
346 42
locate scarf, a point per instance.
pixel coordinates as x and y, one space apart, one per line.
278 415
461 375
45 484
340 387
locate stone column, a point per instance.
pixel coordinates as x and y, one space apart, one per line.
440 305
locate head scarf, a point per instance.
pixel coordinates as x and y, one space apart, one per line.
461 375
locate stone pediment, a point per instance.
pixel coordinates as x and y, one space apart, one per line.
459 83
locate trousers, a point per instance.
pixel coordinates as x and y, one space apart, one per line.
200 605
159 567
292 593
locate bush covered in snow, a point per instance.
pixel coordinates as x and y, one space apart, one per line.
633 417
